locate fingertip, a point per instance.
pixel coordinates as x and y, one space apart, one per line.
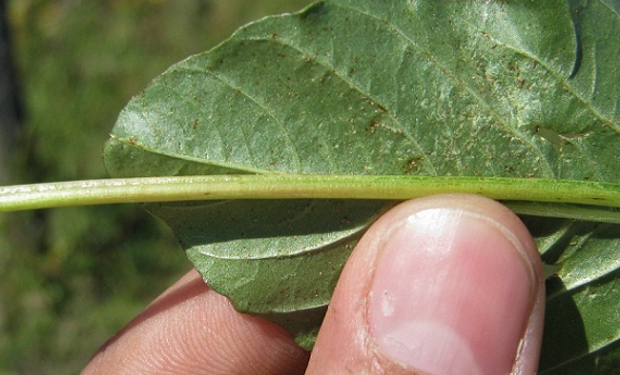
443 285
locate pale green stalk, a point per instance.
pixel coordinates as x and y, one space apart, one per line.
188 188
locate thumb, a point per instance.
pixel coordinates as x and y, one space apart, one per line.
443 285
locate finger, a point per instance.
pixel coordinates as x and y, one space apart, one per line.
443 285
193 330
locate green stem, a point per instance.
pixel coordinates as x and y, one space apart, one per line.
186 188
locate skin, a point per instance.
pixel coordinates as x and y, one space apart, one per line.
190 329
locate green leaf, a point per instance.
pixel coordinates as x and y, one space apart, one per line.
512 88
278 259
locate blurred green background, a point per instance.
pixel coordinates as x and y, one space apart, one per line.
70 278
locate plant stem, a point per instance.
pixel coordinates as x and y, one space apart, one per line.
187 188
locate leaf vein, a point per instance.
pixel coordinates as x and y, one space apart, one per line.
565 84
290 145
134 144
342 76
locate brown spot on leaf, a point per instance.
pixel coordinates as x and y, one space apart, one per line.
372 127
413 165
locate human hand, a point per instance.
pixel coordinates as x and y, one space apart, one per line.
444 285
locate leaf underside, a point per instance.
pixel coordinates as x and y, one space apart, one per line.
511 88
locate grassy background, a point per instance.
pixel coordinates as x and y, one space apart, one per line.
70 278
